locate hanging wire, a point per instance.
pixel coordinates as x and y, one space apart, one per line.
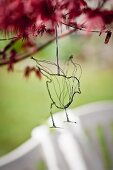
57 49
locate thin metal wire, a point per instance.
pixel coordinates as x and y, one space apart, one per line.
57 50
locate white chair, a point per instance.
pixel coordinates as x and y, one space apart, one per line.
87 145
43 135
95 121
25 157
94 135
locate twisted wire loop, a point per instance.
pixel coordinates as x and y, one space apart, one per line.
61 86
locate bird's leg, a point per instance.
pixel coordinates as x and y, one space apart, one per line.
67 117
53 122
54 126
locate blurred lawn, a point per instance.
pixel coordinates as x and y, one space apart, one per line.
25 104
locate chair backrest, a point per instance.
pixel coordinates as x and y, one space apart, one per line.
59 149
43 135
67 145
25 157
96 124
90 140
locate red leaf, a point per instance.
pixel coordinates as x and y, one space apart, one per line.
108 36
27 71
38 74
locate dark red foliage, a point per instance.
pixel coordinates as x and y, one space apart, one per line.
32 17
107 16
28 71
108 36
29 18
73 7
38 74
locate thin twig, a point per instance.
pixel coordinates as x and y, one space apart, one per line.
83 29
6 39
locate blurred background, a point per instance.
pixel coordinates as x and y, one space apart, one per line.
25 104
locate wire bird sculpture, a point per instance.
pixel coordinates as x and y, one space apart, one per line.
63 85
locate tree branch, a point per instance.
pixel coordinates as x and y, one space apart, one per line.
37 49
